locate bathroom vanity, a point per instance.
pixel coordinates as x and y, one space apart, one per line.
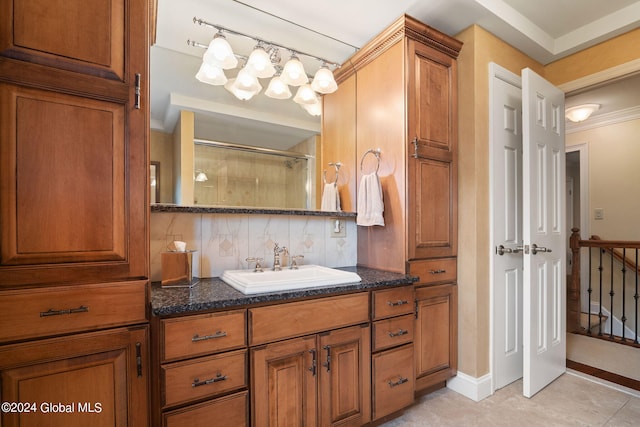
322 356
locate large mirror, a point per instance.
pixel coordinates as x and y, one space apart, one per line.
209 147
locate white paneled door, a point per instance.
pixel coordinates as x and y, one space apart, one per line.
544 326
528 227
506 196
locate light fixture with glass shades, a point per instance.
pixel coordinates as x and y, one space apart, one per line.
580 113
200 176
264 62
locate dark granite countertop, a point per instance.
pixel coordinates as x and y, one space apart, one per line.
214 294
158 207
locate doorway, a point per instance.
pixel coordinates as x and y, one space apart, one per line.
528 231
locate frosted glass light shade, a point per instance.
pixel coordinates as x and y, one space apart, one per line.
201 177
220 54
293 73
247 81
211 75
580 113
259 64
313 109
305 95
278 89
323 81
239 93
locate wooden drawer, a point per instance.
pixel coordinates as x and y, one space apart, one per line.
393 332
228 411
276 322
393 302
30 313
392 382
183 382
434 270
203 334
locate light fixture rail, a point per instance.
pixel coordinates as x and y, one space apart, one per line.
217 27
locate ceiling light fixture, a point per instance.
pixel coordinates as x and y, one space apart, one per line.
201 176
580 113
263 62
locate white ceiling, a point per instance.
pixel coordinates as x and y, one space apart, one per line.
545 30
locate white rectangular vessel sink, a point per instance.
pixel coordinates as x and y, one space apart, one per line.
306 276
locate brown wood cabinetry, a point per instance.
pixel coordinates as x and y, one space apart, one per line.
96 378
392 360
406 105
73 157
200 367
319 379
436 339
74 209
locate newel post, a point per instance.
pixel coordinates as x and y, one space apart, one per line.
573 287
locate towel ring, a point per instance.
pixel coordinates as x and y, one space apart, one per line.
376 153
336 165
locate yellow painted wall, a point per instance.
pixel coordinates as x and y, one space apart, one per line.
183 154
161 150
481 47
619 50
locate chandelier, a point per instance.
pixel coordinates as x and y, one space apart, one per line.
264 62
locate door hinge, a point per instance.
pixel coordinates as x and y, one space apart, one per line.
136 103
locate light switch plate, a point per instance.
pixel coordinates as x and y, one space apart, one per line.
337 227
598 213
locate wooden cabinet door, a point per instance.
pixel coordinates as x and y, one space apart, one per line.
96 379
283 380
73 151
436 339
432 97
345 377
432 166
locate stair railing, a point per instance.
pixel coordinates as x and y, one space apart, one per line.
623 260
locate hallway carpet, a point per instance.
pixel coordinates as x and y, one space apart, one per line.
571 400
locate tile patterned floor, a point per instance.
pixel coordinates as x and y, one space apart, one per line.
570 400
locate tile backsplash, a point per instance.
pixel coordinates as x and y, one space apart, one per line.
225 241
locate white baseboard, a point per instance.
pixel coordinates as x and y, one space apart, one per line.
474 388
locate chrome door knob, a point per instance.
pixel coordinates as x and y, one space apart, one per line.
501 250
535 249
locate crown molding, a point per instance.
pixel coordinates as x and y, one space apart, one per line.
601 120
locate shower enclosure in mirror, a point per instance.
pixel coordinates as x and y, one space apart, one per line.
237 175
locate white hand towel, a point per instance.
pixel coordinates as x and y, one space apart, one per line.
370 204
330 198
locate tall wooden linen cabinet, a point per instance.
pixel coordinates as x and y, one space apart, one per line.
74 212
399 94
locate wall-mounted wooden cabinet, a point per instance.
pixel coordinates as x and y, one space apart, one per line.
74 208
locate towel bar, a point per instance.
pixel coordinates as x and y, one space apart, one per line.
376 153
336 165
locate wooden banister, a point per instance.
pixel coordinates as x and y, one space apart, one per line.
573 288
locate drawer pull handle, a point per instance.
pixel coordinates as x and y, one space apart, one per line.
398 334
439 271
217 378
52 312
218 334
397 383
396 303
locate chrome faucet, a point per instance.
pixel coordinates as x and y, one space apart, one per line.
277 250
